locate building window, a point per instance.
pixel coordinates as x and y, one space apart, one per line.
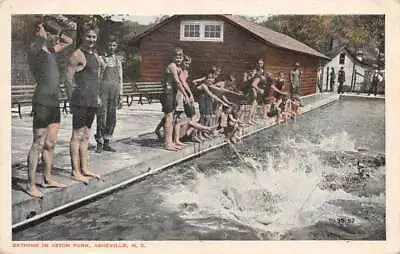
341 58
192 31
202 31
212 31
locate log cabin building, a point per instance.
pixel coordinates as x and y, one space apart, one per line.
228 41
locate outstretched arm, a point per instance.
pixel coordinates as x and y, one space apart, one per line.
199 80
198 126
277 90
214 96
226 100
220 84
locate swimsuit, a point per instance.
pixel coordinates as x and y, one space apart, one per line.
168 99
84 101
45 101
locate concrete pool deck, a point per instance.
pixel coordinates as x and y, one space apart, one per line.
138 155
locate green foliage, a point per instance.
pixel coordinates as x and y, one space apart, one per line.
23 34
364 32
23 27
318 31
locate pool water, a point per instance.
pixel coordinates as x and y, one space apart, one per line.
321 177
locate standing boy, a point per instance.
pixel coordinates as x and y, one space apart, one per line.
85 66
110 88
45 103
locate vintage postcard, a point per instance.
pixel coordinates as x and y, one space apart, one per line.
142 128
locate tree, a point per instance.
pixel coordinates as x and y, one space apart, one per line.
355 31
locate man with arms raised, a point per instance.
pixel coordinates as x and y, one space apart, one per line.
85 67
45 103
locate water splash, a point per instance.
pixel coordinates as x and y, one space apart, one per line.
338 142
283 192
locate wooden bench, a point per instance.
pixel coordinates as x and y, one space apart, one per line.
23 95
129 91
149 90
142 90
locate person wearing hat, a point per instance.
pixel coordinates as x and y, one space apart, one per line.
341 79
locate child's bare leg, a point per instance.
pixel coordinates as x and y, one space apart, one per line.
266 109
208 124
158 128
278 116
178 127
241 113
169 129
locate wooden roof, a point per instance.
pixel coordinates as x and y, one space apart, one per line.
260 32
353 56
275 38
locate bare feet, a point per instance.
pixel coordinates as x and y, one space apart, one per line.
88 173
171 147
80 178
50 183
179 147
34 192
180 144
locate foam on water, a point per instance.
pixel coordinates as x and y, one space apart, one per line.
280 193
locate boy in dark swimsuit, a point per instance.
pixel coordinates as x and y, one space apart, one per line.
45 104
172 83
85 67
267 96
278 93
253 89
234 124
206 98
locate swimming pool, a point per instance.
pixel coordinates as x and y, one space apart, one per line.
321 177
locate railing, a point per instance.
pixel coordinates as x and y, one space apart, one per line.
365 85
